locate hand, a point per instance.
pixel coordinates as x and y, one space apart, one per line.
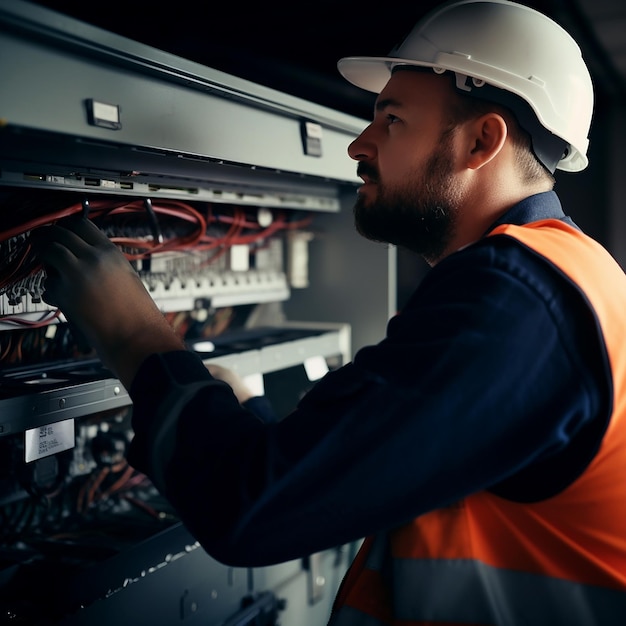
98 291
240 389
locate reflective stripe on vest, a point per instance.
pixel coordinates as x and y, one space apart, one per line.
470 592
561 561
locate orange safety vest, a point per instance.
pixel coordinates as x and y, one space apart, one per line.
487 560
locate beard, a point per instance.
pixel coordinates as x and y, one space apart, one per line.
421 214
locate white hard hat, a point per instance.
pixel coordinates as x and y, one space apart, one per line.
501 47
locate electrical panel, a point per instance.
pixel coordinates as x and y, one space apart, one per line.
218 191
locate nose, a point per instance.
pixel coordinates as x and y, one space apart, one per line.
362 147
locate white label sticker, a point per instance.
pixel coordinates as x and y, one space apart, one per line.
314 130
255 383
240 258
315 367
48 439
106 112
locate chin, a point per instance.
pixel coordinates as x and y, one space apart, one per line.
361 202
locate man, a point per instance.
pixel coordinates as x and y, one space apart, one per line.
480 447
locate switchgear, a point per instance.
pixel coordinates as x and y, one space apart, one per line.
237 227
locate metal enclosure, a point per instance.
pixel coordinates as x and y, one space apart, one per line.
90 118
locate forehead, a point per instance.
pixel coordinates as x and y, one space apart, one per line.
409 88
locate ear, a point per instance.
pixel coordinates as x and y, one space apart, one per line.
486 137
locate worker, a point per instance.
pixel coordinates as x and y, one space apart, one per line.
479 449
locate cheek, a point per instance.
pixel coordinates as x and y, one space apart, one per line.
401 164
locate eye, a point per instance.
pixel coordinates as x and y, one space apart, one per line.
392 119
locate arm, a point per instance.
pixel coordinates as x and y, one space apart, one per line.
478 379
438 410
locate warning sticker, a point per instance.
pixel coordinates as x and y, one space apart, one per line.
48 439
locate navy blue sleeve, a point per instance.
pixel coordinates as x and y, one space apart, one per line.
262 408
482 377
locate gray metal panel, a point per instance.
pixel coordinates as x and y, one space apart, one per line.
32 410
352 280
40 406
169 579
334 342
51 66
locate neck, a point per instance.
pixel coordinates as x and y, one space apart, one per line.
480 209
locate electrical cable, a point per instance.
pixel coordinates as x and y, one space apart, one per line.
168 226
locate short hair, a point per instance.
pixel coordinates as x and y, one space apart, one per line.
532 170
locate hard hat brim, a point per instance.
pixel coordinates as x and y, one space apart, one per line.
372 73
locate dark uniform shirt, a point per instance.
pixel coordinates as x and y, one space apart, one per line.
493 376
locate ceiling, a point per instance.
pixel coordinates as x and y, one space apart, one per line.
294 48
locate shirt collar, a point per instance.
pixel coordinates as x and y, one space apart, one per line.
541 206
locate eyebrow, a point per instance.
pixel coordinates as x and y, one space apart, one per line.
381 105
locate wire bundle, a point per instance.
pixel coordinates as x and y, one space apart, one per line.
140 227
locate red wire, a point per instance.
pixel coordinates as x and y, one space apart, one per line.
240 230
48 317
